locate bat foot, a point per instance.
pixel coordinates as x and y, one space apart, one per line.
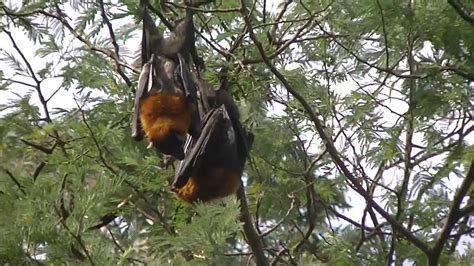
168 161
199 64
137 136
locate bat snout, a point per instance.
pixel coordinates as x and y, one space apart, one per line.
171 146
178 153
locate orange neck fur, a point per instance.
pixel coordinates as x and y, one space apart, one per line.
162 114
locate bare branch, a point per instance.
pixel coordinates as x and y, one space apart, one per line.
462 10
39 147
76 237
114 43
43 101
17 183
292 206
252 237
453 216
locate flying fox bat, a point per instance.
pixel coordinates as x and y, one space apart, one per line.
165 101
214 163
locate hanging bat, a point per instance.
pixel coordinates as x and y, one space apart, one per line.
165 107
214 162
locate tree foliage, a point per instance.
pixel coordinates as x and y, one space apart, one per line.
362 112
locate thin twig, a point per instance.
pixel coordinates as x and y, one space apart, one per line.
114 43
292 206
17 183
76 237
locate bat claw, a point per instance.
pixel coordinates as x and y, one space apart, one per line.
169 160
150 145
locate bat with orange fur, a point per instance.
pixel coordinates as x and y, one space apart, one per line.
165 101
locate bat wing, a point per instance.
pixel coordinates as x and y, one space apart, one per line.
188 83
244 137
143 87
190 93
198 150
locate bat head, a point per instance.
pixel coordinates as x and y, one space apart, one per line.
172 145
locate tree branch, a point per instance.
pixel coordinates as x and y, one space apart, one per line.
43 101
253 239
107 52
114 43
17 183
462 10
453 216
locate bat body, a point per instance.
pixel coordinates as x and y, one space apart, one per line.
214 162
165 101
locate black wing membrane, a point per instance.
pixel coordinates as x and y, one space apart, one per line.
190 92
144 82
202 148
188 83
145 79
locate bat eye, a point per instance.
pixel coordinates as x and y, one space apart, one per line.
180 138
